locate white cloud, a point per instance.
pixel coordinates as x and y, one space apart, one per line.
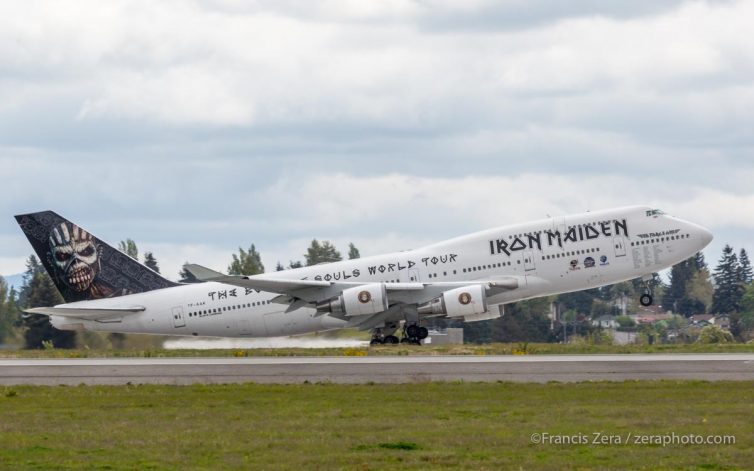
399 212
475 202
186 63
200 125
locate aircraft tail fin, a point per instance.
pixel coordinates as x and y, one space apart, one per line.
82 266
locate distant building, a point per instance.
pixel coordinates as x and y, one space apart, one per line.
450 336
702 319
722 321
606 322
650 316
623 338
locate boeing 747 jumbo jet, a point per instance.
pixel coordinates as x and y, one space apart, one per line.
463 278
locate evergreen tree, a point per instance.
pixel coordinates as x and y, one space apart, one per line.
6 322
700 262
129 248
246 262
747 309
524 321
279 267
42 292
32 268
579 301
151 262
699 292
321 253
728 286
296 264
678 297
745 272
680 274
11 308
353 252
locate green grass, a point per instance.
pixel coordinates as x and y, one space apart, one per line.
488 349
364 427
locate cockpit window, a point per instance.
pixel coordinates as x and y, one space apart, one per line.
655 212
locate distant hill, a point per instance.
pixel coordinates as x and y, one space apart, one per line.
14 280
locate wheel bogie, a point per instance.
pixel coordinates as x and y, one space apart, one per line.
391 340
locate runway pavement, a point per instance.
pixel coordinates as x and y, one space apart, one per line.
377 369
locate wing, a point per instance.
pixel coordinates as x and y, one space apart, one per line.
86 313
297 293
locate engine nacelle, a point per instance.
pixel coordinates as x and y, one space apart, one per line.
458 302
357 301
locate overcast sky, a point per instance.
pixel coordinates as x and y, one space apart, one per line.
196 127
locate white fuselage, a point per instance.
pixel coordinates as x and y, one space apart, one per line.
548 256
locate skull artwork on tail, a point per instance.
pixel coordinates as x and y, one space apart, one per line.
75 254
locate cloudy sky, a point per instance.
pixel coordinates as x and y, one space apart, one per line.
196 127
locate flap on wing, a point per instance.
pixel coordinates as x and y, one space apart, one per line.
84 312
314 290
273 285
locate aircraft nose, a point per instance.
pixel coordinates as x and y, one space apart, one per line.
705 235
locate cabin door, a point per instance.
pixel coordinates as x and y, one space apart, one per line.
178 319
529 261
620 246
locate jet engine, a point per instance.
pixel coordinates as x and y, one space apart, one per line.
357 301
458 302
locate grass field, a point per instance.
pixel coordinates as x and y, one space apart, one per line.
487 349
417 426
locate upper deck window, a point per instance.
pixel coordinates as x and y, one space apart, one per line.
655 212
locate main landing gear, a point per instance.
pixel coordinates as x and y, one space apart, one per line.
646 299
412 334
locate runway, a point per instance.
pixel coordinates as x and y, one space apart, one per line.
377 369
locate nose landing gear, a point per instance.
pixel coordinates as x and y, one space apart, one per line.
646 299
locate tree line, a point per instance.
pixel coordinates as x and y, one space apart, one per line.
692 289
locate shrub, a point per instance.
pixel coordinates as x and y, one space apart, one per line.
714 334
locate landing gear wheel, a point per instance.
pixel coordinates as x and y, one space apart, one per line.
391 340
412 331
646 300
376 341
423 333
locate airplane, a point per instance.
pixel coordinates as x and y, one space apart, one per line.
465 278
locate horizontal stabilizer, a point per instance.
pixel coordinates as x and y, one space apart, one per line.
86 313
202 273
